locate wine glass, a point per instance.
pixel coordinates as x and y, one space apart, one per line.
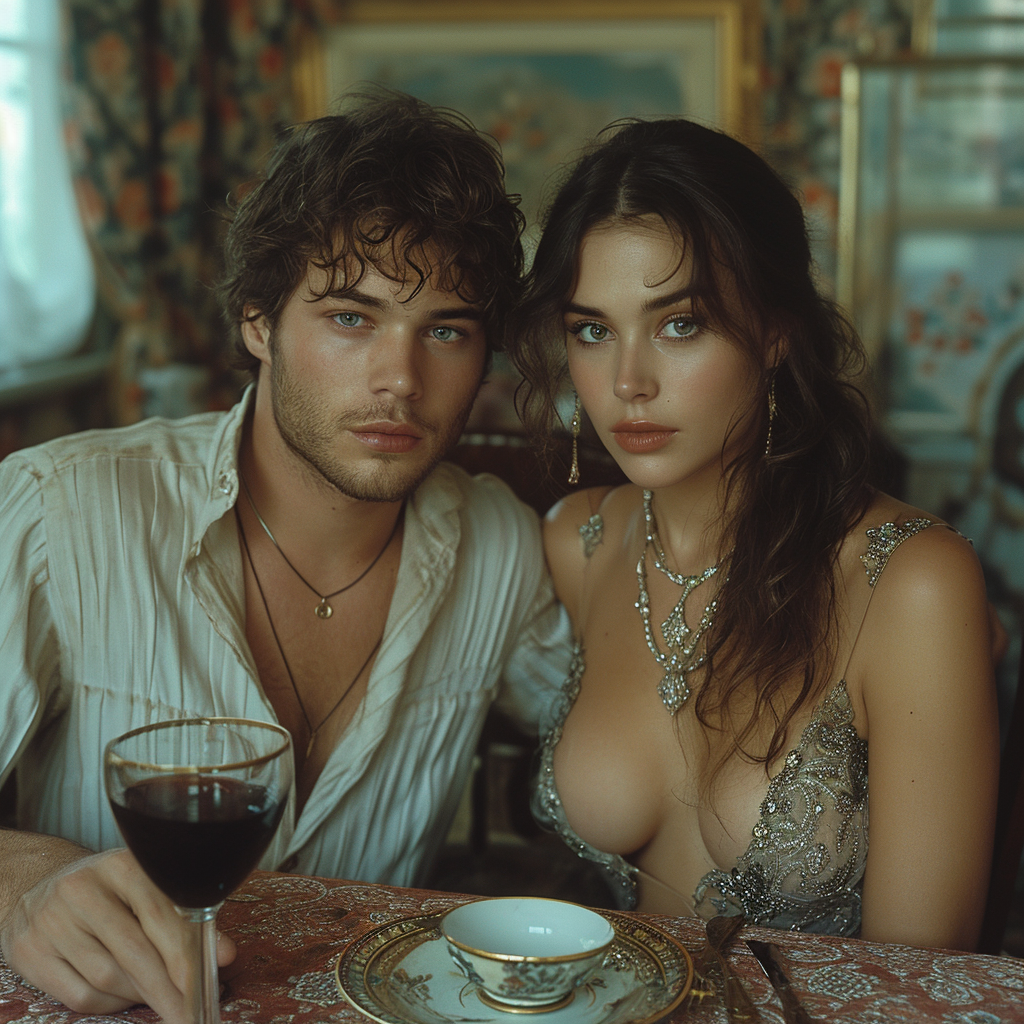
198 801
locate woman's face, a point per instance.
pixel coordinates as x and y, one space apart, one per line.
662 389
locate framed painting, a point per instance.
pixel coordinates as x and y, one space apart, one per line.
931 257
545 77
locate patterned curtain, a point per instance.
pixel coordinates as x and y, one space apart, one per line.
173 104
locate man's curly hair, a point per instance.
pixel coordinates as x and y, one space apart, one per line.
413 190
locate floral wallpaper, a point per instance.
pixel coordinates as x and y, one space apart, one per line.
806 43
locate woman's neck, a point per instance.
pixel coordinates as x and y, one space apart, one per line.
691 524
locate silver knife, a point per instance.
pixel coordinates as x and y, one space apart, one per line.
773 963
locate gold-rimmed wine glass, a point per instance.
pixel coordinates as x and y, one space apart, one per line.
198 801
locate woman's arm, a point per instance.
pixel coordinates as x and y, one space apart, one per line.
933 752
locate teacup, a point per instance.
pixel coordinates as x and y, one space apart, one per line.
525 953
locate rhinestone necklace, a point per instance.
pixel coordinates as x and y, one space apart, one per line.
681 657
323 610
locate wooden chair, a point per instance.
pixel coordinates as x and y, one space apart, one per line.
1009 839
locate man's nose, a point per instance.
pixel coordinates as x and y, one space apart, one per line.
395 367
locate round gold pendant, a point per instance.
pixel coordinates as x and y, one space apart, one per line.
323 610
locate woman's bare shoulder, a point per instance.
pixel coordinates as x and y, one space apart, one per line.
581 526
928 600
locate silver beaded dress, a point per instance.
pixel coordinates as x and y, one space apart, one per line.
804 866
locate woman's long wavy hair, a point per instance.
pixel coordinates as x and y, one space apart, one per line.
789 512
412 190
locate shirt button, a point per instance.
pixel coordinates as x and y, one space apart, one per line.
227 482
289 864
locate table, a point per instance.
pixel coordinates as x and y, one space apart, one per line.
290 930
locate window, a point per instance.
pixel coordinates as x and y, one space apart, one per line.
47 287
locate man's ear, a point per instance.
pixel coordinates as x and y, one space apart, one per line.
256 335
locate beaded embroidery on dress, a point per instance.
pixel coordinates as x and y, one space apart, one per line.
804 867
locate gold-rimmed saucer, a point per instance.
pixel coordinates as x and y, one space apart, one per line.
402 973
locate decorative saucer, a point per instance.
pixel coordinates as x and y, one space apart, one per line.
402 973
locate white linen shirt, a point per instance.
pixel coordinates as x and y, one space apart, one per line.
122 603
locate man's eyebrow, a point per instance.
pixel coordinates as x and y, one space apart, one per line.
374 302
355 295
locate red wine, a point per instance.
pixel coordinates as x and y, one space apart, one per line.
197 837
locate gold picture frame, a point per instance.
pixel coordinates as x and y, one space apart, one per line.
712 45
931 228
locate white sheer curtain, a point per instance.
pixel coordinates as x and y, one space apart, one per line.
47 287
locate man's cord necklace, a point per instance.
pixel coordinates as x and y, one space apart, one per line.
313 731
323 610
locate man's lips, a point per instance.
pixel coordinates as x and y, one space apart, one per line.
387 436
641 436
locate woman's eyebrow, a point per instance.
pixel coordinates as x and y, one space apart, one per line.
670 299
660 302
572 307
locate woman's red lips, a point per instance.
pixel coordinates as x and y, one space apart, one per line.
388 437
641 436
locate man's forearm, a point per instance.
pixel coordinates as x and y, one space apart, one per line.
26 858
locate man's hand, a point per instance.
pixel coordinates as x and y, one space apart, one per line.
98 935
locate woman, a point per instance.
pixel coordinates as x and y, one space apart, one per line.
752 615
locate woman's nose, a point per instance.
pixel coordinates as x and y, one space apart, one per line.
635 379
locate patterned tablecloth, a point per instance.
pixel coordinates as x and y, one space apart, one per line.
290 931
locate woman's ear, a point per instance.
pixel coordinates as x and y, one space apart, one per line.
256 334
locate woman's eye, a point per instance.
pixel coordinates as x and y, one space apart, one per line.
684 327
590 333
445 333
349 319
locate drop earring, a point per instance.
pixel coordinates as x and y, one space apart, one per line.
574 469
771 417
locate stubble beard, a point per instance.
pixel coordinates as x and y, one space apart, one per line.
312 435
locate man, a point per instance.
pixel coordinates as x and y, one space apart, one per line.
303 558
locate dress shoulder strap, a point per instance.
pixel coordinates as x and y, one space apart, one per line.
882 542
592 532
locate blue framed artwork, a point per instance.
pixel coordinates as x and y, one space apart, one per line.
958 302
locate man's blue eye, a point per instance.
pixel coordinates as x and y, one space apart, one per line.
348 319
445 333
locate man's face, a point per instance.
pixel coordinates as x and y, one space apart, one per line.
371 388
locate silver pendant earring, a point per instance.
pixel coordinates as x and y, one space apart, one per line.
771 417
574 469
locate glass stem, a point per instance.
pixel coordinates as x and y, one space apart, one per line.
204 996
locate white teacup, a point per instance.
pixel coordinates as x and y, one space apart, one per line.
526 953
